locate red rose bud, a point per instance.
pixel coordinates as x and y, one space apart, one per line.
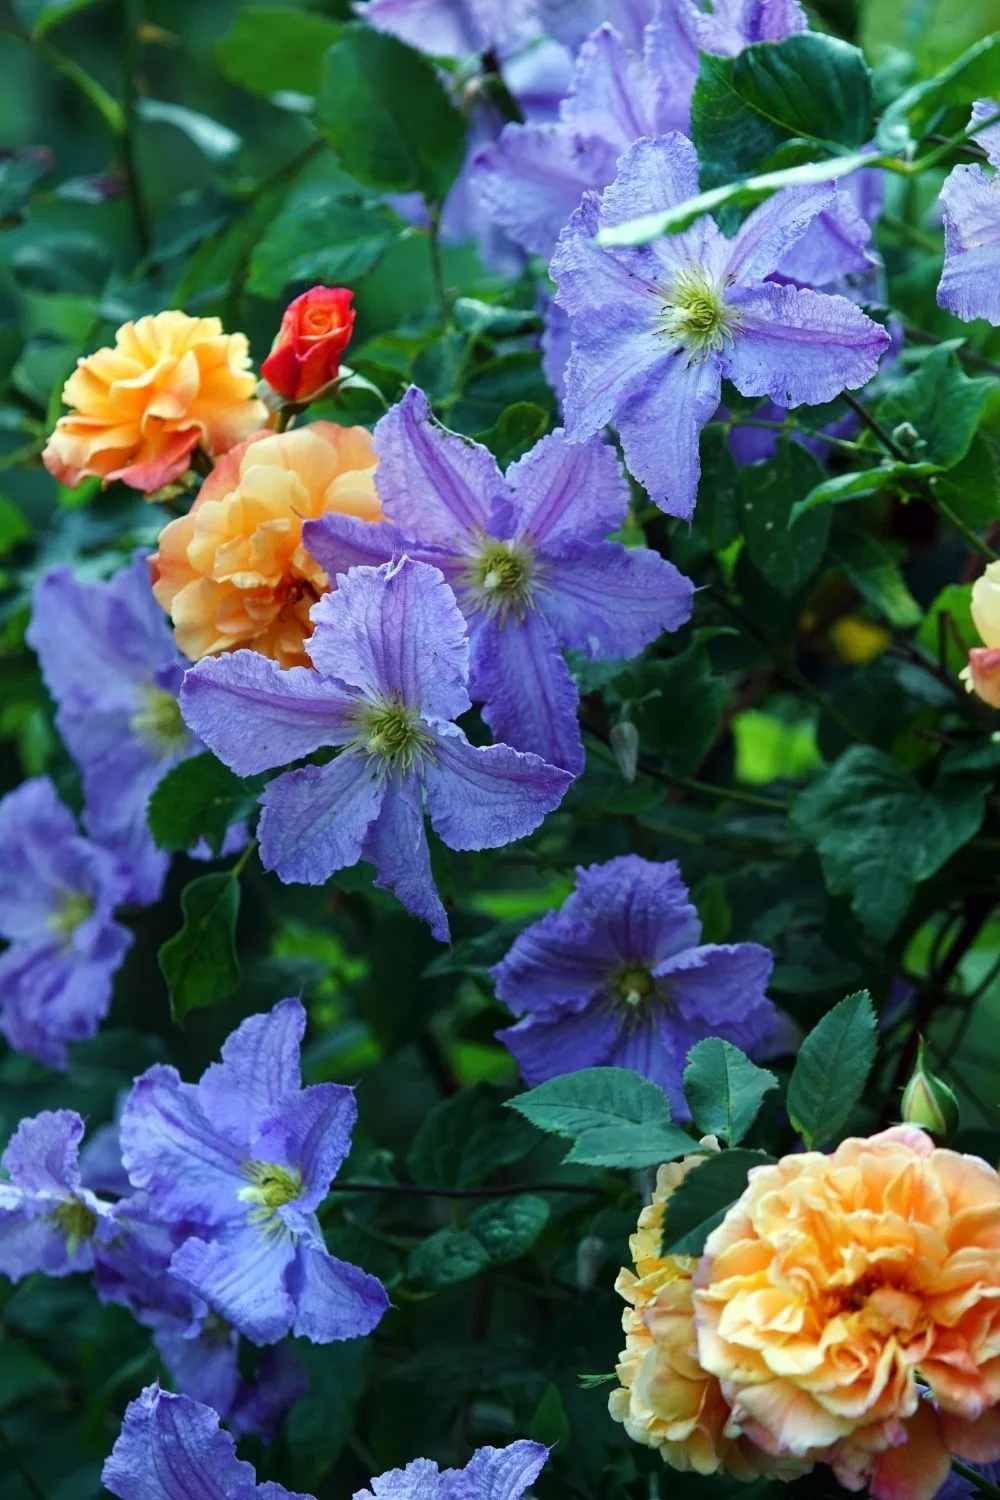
314 332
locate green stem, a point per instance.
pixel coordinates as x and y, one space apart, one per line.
983 1485
933 157
956 523
131 21
727 793
95 93
437 265
508 1190
30 1482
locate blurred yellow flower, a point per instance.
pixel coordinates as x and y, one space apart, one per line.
839 1286
982 675
233 571
170 384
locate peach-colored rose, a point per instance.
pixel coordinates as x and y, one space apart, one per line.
666 1400
836 1284
233 571
982 675
140 409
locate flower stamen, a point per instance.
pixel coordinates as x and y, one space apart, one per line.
695 313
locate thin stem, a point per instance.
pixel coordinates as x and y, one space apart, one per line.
956 523
30 1482
437 265
875 426
131 21
974 361
983 1485
725 793
507 1190
951 142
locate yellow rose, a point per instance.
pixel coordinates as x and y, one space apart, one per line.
170 384
840 1285
982 675
233 571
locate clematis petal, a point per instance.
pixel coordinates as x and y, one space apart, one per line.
504 1473
544 1047
659 422
530 700
314 820
310 1130
173 1151
260 1065
569 492
172 1448
333 1299
611 601
486 796
767 235
396 845
970 284
339 543
43 1153
240 1273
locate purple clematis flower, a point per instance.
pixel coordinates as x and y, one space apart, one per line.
655 328
970 285
48 1220
108 657
391 658
490 1474
246 1156
617 977
58 892
453 28
527 559
172 1448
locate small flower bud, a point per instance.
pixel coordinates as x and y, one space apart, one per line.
906 437
929 1102
982 675
315 331
624 739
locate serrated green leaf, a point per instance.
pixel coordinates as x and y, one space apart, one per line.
321 234
199 963
464 1138
700 1202
198 799
273 49
724 1089
678 707
877 576
593 1098
941 402
831 1069
508 1228
449 1256
629 1146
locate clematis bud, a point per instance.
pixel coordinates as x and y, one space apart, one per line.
929 1102
314 332
624 739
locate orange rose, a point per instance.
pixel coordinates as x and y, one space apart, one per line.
666 1400
314 332
839 1286
170 383
233 571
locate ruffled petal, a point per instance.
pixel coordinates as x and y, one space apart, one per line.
611 601
171 1448
260 1065
314 821
396 845
569 492
486 796
241 1275
530 700
333 1299
176 1154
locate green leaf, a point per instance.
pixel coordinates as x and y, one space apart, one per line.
876 575
948 634
320 234
573 1103
449 1256
717 515
678 708
630 1146
214 140
321 1422
464 1138
198 799
972 487
943 403
808 87
898 476
878 832
272 49
383 109
784 552
514 432
974 75
508 1228
39 16
724 1089
550 1424
14 527
831 1069
20 173
702 1199
199 963
24 1374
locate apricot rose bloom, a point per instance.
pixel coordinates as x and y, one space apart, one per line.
666 1400
851 1303
170 384
982 675
233 571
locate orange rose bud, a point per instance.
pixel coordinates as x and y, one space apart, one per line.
314 332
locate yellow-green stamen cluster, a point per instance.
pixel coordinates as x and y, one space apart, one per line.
695 313
392 735
501 576
158 721
76 1221
271 1187
75 907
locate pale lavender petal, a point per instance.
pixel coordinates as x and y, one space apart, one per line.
432 483
505 1473
530 700
654 1048
395 632
260 1065
420 1480
611 601
254 715
397 846
656 173
171 1448
572 21
731 25
720 990
836 244
50 996
486 796
569 491
31 1241
616 351
532 179
587 276
452 28
35 832
172 1150
310 1130
659 421
339 542
259 1409
970 279
556 344
204 1366
545 1047
989 138
314 820
43 1153
240 1273
800 346
333 1299
768 234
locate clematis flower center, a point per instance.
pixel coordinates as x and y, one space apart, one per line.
633 986
695 314
502 575
158 721
75 908
76 1221
271 1187
392 735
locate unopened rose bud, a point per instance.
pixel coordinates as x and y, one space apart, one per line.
624 739
315 331
982 675
929 1102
